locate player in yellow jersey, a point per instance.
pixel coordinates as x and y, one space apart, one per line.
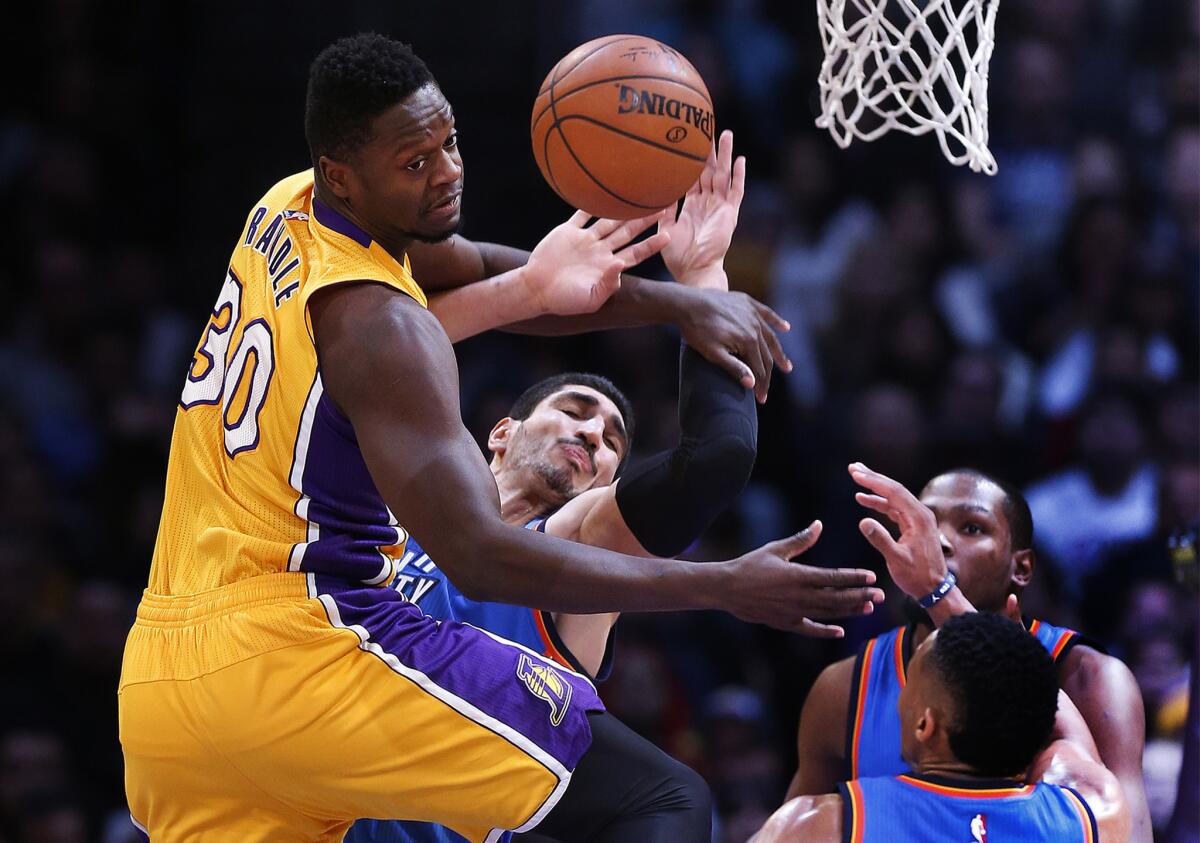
271 690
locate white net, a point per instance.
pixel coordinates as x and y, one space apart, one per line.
915 65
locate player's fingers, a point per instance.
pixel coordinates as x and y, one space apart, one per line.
724 162
771 317
616 233
671 215
737 186
879 538
740 372
794 545
874 502
638 252
883 485
775 348
820 630
708 174
1012 608
839 602
579 219
768 367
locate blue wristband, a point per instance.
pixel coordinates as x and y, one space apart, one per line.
938 593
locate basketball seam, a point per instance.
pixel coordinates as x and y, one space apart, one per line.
555 79
593 83
583 168
629 135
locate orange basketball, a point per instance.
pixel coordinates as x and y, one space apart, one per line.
622 126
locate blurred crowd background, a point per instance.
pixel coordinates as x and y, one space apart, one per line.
1041 325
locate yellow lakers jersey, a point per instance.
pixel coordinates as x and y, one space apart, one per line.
265 474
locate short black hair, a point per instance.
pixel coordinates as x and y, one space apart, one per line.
1005 691
1016 508
350 83
528 400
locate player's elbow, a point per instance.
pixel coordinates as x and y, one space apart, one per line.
723 464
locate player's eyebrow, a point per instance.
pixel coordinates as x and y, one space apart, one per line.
593 401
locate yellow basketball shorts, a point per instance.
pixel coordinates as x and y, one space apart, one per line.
285 707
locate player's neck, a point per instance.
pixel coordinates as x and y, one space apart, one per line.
394 247
948 767
517 504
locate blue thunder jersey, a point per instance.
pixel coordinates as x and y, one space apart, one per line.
917 809
422 582
880 671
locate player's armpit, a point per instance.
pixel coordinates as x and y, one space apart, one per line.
821 737
1107 696
594 518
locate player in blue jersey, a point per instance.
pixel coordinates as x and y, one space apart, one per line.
976 712
979 530
555 457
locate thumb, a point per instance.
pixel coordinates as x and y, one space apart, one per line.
802 541
1012 608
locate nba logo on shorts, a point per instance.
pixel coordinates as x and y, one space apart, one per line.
545 683
979 829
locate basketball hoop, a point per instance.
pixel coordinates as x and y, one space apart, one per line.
915 65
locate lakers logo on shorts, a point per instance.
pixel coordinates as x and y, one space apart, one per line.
545 683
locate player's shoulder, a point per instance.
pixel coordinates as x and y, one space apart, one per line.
815 818
831 690
1087 670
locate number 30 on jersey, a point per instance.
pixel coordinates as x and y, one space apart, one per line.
238 382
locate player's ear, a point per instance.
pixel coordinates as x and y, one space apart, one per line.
1022 568
926 725
499 437
336 175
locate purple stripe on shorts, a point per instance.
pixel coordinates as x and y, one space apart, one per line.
344 501
528 693
334 221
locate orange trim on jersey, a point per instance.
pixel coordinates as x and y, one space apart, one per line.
858 820
550 650
971 793
1062 644
898 655
1034 627
863 679
1084 816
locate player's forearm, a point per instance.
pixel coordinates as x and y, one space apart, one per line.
530 569
638 302
484 305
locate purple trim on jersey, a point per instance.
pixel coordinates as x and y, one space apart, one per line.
334 221
343 501
472 666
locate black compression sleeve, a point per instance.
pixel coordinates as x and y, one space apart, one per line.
668 500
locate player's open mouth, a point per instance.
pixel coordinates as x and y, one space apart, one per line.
447 207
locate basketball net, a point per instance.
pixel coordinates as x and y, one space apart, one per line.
915 65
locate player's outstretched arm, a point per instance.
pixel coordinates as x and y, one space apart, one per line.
431 474
1072 760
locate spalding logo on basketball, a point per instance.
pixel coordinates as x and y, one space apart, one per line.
622 126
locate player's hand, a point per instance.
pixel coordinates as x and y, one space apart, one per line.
916 562
737 333
767 587
702 229
576 267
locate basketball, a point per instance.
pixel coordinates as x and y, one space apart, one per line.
622 126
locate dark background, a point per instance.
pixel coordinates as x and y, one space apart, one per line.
1041 324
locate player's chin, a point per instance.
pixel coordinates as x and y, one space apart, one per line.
436 227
